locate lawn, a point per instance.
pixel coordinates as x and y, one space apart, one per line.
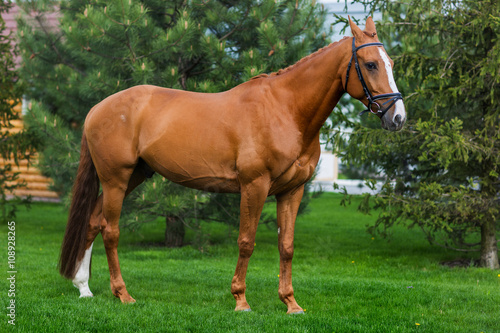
346 281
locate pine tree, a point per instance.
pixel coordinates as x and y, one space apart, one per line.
443 168
101 48
13 146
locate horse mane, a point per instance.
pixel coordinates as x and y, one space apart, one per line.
306 58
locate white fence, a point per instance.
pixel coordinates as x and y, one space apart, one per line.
353 186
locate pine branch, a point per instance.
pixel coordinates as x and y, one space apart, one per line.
56 50
164 48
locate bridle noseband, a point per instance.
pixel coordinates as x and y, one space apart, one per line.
393 97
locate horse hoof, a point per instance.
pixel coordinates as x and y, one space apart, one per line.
243 310
84 289
297 313
127 300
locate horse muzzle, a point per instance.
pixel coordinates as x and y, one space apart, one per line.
394 121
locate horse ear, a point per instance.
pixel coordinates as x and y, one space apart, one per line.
355 30
370 29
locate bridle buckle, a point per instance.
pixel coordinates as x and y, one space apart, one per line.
378 108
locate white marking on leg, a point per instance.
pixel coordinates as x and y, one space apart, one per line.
81 280
399 106
278 231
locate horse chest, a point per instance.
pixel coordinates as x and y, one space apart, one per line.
297 174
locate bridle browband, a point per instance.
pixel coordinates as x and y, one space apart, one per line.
393 97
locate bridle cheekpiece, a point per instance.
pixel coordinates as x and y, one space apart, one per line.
393 97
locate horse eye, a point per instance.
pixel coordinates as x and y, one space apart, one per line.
371 66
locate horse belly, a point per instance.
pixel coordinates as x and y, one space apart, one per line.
215 183
186 165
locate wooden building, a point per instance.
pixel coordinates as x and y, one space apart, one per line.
35 184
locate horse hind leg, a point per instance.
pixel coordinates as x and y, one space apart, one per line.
96 225
82 275
113 194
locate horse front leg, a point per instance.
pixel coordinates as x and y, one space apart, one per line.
253 197
287 208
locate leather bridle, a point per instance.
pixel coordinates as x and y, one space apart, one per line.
393 97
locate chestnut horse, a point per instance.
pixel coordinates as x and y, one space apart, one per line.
260 138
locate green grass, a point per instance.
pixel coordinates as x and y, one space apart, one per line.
346 281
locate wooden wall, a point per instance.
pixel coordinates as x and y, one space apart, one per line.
37 185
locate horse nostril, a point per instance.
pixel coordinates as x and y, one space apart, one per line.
397 119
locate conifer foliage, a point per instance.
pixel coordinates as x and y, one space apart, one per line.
13 145
102 47
443 168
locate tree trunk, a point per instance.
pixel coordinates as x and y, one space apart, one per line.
489 249
174 233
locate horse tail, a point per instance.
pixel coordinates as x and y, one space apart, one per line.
85 193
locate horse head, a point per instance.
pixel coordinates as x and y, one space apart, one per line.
372 81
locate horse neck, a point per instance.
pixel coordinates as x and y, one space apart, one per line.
313 87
